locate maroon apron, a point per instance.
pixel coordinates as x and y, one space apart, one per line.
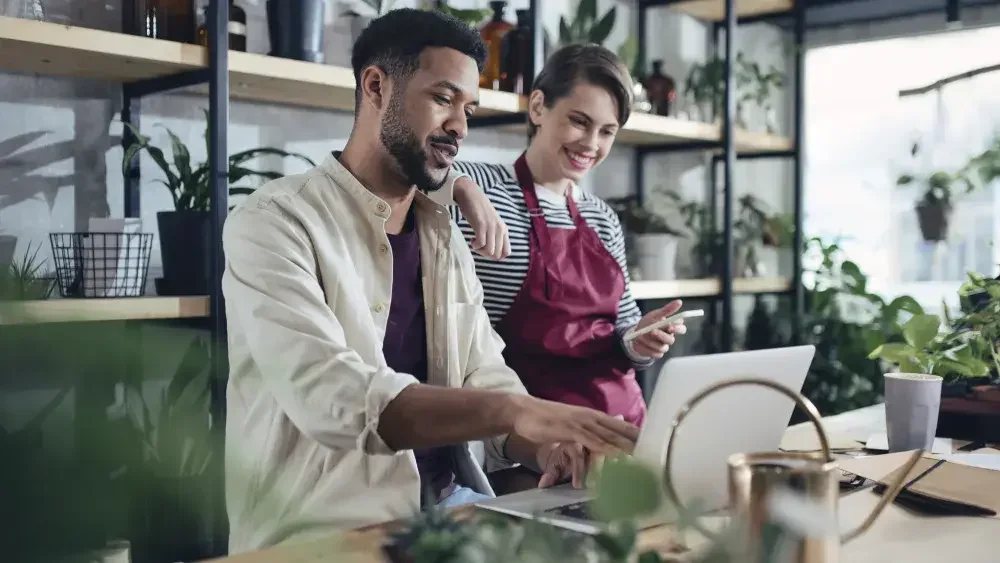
560 331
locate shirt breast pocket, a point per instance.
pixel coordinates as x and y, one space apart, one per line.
463 324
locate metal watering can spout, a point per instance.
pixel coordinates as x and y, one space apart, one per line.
753 477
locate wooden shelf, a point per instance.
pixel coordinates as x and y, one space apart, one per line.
708 287
118 309
715 10
644 129
647 129
28 46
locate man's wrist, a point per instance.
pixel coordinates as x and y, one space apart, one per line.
460 186
509 408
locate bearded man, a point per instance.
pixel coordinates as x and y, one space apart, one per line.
363 364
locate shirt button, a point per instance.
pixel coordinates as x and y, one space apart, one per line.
381 207
379 308
383 248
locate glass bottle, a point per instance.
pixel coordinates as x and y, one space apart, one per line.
492 33
661 89
173 20
517 61
237 28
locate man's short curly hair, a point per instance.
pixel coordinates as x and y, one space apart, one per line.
395 40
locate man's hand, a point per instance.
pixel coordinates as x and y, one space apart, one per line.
558 461
491 239
654 344
539 422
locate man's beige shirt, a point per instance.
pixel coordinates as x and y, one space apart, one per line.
307 288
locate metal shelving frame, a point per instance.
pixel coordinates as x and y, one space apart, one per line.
728 27
217 78
726 145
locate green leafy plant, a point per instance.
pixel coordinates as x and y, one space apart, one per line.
637 219
190 187
471 16
23 279
942 186
625 490
844 320
928 351
377 7
705 83
979 317
178 443
586 26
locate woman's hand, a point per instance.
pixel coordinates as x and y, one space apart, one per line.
654 344
491 239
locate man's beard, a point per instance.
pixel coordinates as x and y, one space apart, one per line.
404 146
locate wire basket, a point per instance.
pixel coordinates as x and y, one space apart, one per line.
112 264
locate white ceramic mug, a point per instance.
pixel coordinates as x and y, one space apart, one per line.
912 404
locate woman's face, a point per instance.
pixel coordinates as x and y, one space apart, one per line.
577 132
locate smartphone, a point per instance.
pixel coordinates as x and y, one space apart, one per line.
667 321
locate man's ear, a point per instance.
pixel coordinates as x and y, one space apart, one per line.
536 107
375 87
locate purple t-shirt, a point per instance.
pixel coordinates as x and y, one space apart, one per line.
405 345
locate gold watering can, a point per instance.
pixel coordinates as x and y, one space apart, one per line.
755 477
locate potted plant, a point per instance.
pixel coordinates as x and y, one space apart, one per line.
8 243
653 239
362 12
172 489
925 358
978 324
185 241
22 279
755 227
471 16
935 206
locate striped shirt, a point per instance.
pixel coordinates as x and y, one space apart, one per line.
502 280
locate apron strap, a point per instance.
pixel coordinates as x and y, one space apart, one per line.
538 225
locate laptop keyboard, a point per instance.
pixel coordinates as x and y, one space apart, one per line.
579 510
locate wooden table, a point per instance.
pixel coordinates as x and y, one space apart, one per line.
898 535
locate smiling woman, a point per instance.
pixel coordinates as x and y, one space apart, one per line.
561 299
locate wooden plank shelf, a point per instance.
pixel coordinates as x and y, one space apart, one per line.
644 129
707 287
112 309
28 46
715 10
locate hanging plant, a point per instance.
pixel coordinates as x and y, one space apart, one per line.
935 206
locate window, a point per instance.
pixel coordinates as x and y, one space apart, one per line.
860 133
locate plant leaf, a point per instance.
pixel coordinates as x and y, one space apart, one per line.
625 489
587 11
920 330
602 29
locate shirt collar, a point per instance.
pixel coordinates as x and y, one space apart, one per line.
425 207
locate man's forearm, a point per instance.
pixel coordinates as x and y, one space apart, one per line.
519 450
426 416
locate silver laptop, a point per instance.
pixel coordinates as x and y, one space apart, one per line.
732 420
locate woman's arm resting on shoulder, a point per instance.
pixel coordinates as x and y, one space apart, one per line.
461 190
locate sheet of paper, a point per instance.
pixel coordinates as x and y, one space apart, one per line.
880 442
982 460
805 439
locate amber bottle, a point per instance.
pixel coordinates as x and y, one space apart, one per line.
237 28
661 89
493 33
517 57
